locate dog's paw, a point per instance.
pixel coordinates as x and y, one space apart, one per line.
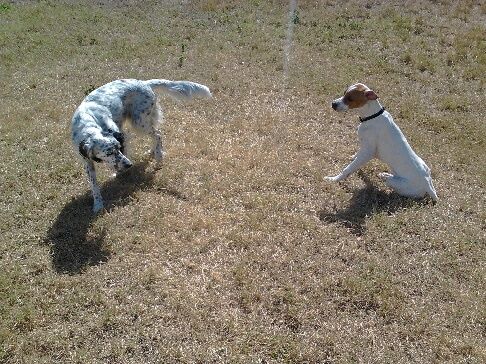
384 175
333 178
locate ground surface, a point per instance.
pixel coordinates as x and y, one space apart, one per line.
236 250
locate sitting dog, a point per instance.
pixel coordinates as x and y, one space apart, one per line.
97 123
380 137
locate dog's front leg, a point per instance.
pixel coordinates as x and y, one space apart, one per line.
362 157
97 199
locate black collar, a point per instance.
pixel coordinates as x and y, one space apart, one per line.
372 116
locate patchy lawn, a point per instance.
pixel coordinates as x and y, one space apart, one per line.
236 250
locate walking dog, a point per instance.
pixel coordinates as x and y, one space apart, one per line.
380 137
97 123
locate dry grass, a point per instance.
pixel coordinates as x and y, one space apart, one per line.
236 251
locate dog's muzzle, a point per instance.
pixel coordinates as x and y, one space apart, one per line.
334 105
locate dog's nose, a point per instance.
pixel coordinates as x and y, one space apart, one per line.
334 105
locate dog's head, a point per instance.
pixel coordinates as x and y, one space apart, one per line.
354 97
107 148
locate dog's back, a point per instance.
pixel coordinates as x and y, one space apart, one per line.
121 97
394 149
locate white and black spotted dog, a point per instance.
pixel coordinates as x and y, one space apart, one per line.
97 123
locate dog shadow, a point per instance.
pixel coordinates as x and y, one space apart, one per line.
74 243
365 202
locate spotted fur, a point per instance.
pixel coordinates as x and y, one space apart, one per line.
97 123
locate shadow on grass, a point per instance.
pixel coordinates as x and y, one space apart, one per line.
365 202
74 246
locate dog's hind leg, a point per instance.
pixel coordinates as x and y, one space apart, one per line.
148 120
151 129
97 199
396 183
158 147
154 119
401 185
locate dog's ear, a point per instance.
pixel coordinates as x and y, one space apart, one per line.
85 151
119 136
121 139
371 95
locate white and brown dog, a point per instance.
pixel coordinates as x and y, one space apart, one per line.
97 123
380 137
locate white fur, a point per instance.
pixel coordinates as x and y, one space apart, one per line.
97 123
381 138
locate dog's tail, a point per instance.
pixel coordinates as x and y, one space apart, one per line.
431 190
180 90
